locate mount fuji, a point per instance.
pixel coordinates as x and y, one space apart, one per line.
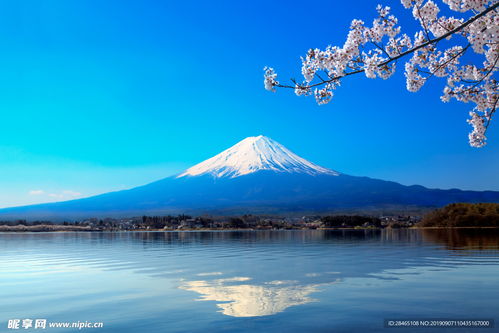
259 176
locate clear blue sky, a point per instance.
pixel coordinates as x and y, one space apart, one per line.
104 95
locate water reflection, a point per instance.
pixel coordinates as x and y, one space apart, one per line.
464 239
290 277
486 238
251 300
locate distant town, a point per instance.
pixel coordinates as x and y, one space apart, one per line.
186 222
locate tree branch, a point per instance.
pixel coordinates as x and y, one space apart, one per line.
407 52
448 61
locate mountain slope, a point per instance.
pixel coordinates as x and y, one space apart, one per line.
257 175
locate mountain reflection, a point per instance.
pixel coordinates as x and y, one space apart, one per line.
241 299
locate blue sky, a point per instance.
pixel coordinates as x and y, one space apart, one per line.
98 96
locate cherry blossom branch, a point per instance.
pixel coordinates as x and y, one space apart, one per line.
457 55
366 52
403 54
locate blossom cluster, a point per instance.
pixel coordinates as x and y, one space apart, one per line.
468 83
374 51
270 77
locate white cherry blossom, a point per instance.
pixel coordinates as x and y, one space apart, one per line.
375 49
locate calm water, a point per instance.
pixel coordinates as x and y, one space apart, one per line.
276 281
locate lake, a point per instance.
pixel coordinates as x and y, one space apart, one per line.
249 281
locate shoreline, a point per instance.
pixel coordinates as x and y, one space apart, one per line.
63 228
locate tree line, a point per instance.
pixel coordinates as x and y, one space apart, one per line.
463 215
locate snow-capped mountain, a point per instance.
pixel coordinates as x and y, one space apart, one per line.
256 176
253 154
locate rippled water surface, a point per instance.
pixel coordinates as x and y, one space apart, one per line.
275 281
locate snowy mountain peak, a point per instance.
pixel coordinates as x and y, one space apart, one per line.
254 154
